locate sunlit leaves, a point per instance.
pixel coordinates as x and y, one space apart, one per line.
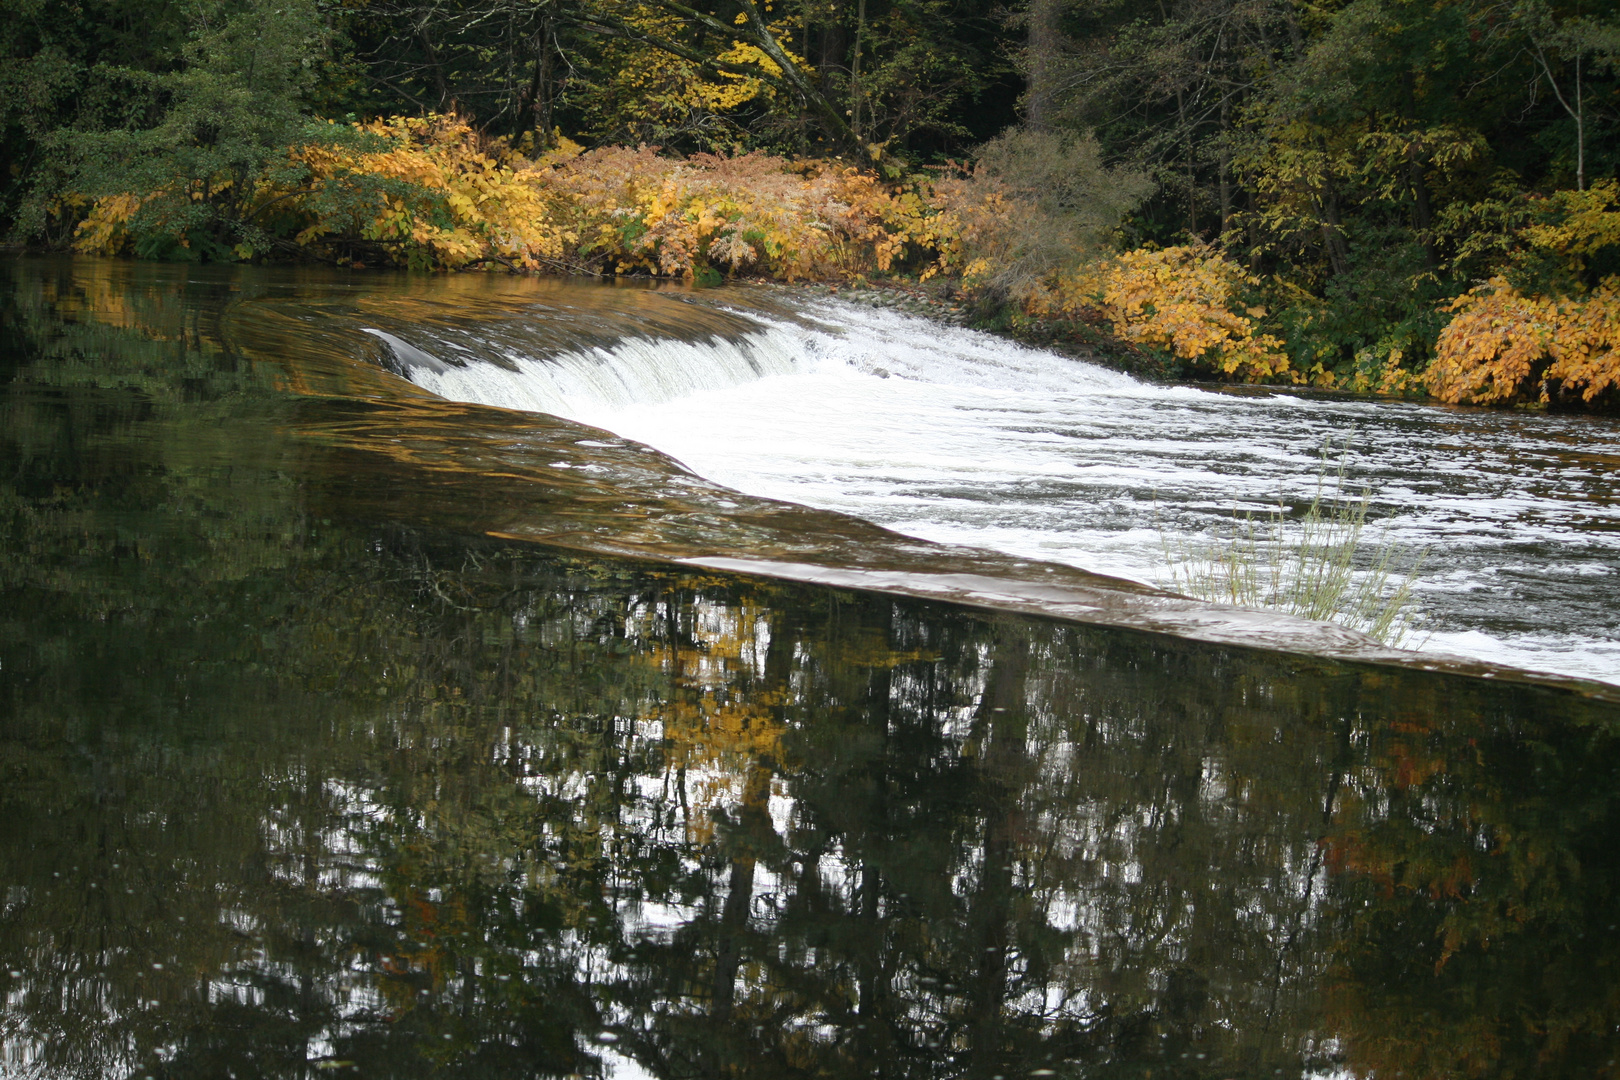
1187 301
1503 344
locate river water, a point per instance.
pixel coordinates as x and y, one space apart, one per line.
349 730
955 436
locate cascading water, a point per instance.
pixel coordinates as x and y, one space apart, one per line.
950 435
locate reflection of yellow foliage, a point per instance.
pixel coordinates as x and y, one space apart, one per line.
728 744
1185 300
1500 340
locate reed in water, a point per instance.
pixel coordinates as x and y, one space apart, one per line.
1305 566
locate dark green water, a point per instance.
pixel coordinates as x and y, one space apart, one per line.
304 773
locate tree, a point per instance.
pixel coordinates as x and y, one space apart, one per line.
234 107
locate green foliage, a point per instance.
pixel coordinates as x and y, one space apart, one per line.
1374 159
234 106
1034 203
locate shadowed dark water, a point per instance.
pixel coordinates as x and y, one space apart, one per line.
336 740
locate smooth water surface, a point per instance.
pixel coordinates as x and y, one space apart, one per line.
309 768
954 436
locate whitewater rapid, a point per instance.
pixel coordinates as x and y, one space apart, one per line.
951 435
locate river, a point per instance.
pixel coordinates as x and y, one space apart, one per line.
348 729
959 437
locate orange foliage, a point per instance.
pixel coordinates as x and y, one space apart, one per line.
1184 300
432 193
1502 344
753 212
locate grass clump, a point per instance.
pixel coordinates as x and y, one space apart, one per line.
1306 566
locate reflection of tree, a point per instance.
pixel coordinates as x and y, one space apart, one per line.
452 808
1476 890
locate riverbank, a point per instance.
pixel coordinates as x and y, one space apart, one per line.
945 301
986 247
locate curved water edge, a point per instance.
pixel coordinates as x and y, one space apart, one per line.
953 436
952 443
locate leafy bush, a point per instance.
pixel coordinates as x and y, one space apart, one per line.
431 193
1032 204
636 210
1187 301
1502 345
1546 326
181 188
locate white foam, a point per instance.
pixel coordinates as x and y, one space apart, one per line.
950 435
637 371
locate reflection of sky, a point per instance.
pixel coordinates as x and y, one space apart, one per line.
952 436
1090 892
618 1067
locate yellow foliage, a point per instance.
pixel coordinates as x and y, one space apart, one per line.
650 89
105 230
1500 342
1586 224
1185 300
431 193
467 200
1504 345
759 212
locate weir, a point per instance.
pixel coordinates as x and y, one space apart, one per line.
949 435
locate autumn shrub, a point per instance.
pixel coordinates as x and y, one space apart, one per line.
1031 204
1188 302
1502 345
421 192
637 210
432 193
1548 326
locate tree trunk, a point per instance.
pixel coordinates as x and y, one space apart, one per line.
1333 236
1422 216
1000 725
733 924
855 70
832 50
1225 166
1045 54
1422 219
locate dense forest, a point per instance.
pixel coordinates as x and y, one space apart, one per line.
1381 194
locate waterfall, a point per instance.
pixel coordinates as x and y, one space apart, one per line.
946 434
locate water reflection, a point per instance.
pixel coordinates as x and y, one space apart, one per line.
295 782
